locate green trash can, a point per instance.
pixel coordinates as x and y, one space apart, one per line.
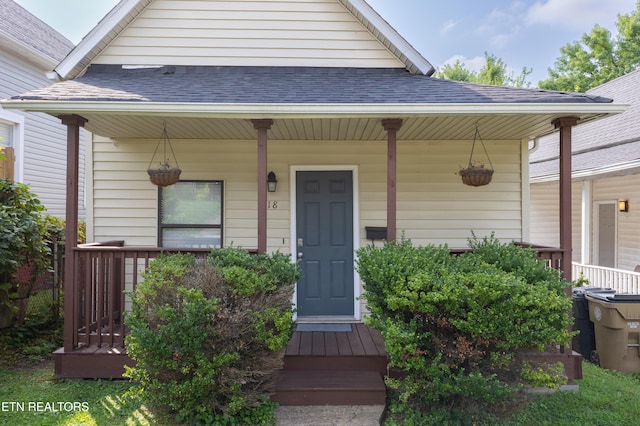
616 320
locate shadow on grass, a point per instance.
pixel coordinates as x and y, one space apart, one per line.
32 396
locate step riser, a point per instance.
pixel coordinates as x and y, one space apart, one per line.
329 387
296 398
378 364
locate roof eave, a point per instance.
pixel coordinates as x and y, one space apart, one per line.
611 170
27 52
99 37
309 110
412 59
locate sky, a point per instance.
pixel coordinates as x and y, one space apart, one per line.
523 33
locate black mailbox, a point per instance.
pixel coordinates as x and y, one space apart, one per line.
376 232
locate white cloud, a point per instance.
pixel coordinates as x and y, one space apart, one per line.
473 64
578 14
500 41
448 26
501 26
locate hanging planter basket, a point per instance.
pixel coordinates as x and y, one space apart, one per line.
165 174
477 174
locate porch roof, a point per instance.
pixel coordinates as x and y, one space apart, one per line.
198 84
110 96
604 148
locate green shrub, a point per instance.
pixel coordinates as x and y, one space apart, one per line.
456 326
208 336
23 243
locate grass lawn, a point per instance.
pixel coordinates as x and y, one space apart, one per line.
604 398
30 395
97 402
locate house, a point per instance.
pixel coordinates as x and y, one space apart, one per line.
33 141
606 188
324 99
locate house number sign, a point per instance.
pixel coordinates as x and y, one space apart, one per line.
272 204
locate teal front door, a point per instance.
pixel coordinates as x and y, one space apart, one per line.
324 240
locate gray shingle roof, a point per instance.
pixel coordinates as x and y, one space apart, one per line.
21 26
605 142
284 85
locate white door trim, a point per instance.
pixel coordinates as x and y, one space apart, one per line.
596 231
356 222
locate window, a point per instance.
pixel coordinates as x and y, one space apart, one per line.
191 214
7 159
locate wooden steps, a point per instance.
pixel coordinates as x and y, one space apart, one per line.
95 362
333 368
308 387
320 368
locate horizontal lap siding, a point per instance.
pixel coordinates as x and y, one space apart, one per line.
121 185
44 159
624 188
434 207
544 214
241 33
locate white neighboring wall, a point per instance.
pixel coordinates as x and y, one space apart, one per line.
544 217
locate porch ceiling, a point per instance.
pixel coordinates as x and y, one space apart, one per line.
435 127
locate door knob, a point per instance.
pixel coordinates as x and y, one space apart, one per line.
300 255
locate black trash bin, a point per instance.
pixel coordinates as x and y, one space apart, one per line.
585 341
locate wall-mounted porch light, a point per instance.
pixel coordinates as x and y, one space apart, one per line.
623 205
272 182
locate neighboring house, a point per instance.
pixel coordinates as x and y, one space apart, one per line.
606 173
325 94
36 142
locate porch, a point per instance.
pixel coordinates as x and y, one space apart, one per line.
321 366
620 280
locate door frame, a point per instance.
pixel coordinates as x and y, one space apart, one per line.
596 231
293 169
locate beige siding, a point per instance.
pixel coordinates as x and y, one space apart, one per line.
434 207
545 216
248 33
627 188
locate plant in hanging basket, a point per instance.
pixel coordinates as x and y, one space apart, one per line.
476 175
164 175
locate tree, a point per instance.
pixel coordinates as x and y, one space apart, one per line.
598 57
493 72
458 72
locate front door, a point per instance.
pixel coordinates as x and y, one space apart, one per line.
324 240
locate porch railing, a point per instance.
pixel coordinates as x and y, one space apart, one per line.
105 274
598 276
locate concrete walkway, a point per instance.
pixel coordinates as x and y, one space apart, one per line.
334 415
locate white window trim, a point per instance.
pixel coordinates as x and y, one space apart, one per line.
17 121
